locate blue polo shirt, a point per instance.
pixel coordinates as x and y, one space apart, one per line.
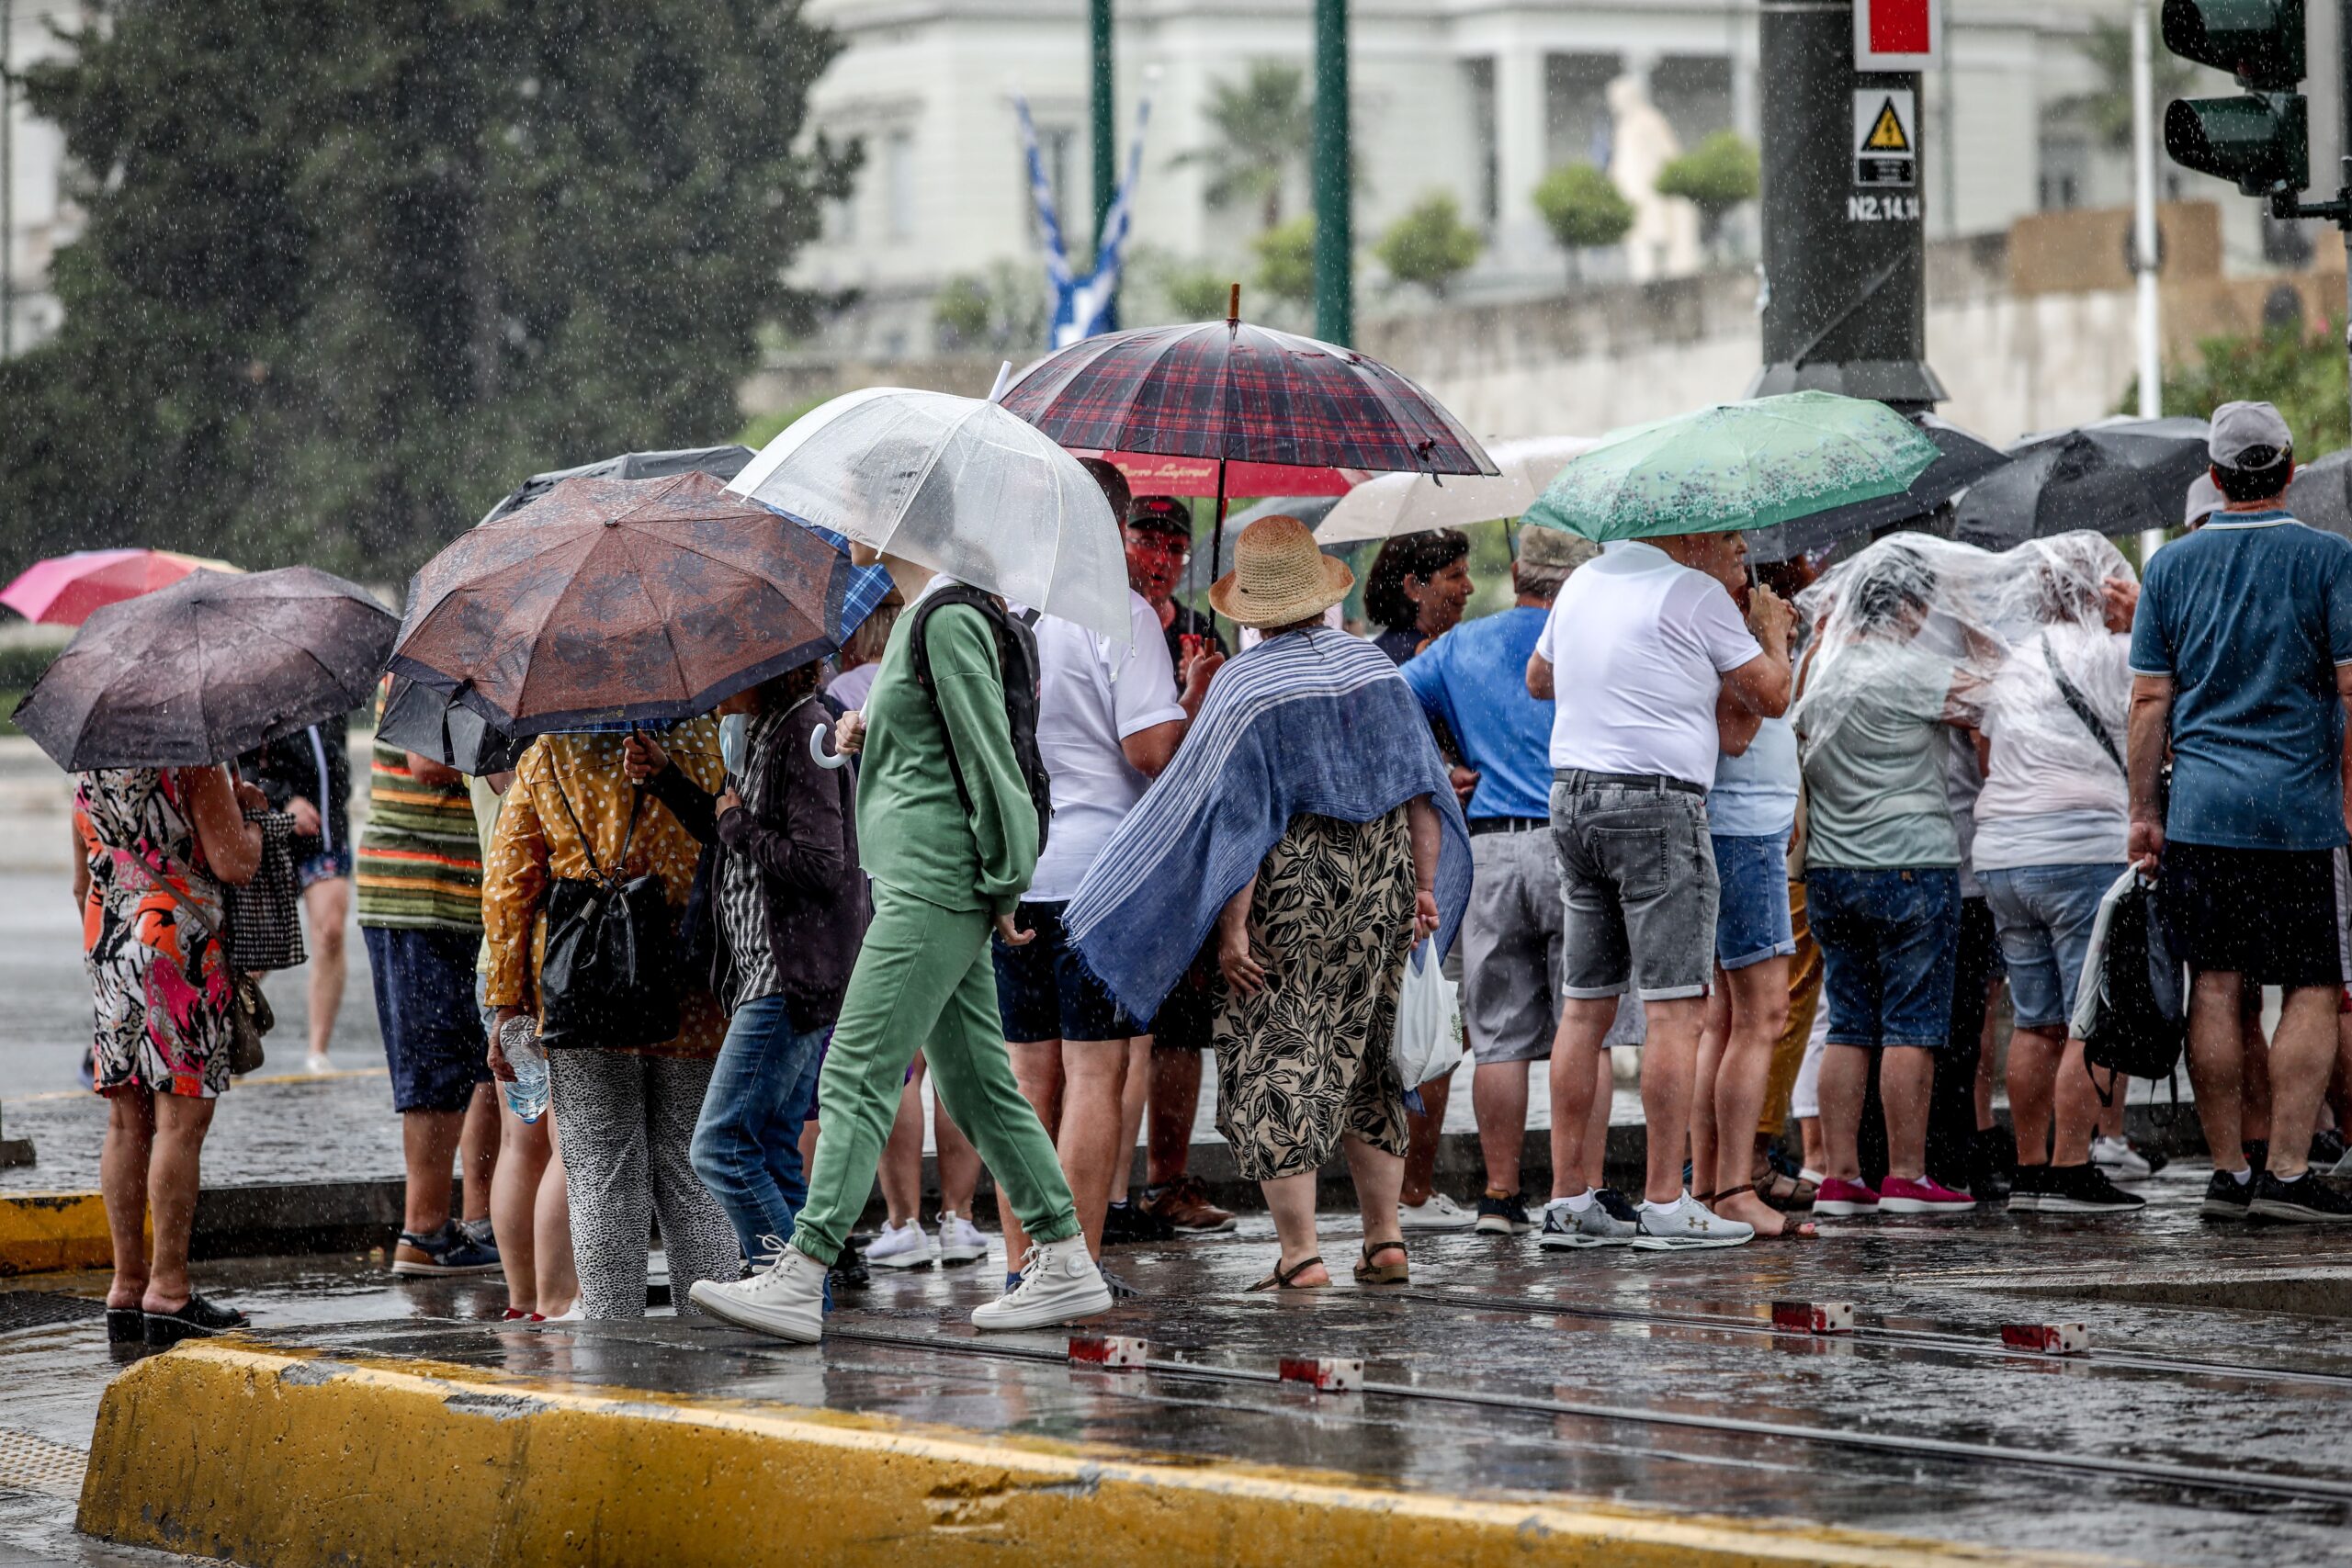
2250 616
1475 678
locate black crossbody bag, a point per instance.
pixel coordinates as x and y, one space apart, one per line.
2081 705
610 976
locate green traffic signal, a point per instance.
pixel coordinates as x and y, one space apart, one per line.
2262 140
2260 42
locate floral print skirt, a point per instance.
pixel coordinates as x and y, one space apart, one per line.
1307 1060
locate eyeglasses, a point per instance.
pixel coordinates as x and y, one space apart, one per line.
1158 544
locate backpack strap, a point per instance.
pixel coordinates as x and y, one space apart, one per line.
2077 701
587 845
919 637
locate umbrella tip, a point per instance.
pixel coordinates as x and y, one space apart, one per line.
1233 304
1003 375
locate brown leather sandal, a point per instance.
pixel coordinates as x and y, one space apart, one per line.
1369 1273
1287 1278
1791 1229
1783 1192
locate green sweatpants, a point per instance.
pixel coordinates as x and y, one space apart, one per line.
925 981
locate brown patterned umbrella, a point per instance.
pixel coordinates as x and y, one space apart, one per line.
623 601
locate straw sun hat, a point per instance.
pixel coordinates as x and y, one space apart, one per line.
1279 577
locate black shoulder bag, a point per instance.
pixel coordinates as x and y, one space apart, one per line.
609 978
2081 705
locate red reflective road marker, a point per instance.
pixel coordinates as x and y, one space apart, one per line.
1331 1375
1815 1318
2051 1338
1108 1350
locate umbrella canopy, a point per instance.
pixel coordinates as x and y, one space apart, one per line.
1149 474
1735 465
625 600
208 669
724 462
2117 475
1414 504
63 590
1227 390
957 485
435 723
2320 494
1965 459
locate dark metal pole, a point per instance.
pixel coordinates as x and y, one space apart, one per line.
1335 288
7 181
1106 151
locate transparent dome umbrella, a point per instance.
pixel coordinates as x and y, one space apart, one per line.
1391 505
208 669
1734 466
958 485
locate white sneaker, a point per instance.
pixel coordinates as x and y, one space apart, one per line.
786 1299
960 1241
2120 1160
901 1246
1440 1214
1689 1224
316 1062
1058 1284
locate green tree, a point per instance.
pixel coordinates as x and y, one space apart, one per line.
1714 177
1584 210
1197 293
2107 107
1431 245
353 266
2302 372
1263 124
1005 309
1286 261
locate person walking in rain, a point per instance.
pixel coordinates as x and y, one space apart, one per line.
949 833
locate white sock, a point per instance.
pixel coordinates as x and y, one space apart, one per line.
1580 1202
1650 1208
2243 1177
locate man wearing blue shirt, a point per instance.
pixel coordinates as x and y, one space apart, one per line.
1473 680
2242 666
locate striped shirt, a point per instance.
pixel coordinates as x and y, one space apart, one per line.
743 896
420 860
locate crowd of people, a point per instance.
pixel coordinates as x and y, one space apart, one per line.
1789 833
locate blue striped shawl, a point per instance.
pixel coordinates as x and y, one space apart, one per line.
1315 721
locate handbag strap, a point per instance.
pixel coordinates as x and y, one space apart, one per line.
2075 700
186 905
588 845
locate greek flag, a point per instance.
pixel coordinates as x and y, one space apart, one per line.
1082 306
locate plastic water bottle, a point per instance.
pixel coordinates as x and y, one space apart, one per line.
518 1040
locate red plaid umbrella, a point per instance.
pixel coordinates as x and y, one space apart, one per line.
1237 393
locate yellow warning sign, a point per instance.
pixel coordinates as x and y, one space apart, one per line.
1886 135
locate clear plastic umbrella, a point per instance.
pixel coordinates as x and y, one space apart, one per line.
1391 505
957 485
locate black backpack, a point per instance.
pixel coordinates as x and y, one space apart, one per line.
1016 657
610 976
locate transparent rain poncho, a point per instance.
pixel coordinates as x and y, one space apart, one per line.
1913 611
957 485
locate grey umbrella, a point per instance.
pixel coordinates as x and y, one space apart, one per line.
2320 494
208 669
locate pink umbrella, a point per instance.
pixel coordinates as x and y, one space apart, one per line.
1149 473
63 590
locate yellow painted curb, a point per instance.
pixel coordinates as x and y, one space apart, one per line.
42 1232
287 1462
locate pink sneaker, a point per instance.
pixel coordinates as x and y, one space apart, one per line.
1900 1195
1838 1197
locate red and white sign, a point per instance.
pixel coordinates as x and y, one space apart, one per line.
1897 35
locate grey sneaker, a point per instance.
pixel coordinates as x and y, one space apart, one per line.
1687 1226
1596 1226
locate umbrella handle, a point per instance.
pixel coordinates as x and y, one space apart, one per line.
818 754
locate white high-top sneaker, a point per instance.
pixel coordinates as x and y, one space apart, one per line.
786 1299
1058 1284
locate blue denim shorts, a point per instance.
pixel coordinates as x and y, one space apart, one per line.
1752 907
1890 942
2043 915
319 864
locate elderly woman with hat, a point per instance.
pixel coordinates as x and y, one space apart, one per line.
1309 821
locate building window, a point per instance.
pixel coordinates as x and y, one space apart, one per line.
840 220
1478 82
898 183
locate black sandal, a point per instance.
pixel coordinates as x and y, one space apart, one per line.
198 1319
125 1325
1397 1273
1286 1279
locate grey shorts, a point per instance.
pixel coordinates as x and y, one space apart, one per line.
1637 873
1511 970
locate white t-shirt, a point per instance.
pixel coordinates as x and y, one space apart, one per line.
1091 695
1638 645
2053 796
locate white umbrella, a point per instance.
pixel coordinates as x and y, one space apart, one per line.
1391 505
957 485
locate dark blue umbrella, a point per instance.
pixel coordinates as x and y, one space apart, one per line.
1963 460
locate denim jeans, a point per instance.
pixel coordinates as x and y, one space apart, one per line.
1889 941
747 1144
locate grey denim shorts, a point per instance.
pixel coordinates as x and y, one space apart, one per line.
1637 875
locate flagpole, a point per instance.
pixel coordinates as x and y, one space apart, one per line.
1216 533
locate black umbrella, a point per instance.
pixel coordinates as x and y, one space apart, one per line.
435 723
2116 477
1966 459
2320 494
208 669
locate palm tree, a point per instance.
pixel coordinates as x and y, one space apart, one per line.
1263 124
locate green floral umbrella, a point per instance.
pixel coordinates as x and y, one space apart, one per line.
1734 466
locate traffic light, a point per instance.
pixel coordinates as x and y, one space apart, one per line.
2260 138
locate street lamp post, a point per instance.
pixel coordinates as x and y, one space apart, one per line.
2144 229
1335 293
1106 159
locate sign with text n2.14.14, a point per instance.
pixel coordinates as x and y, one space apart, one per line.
1886 142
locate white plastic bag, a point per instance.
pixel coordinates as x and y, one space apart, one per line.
1429 1020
